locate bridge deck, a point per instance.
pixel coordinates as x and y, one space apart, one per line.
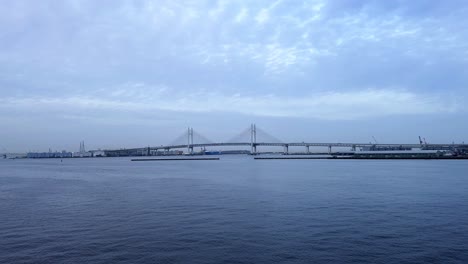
298 144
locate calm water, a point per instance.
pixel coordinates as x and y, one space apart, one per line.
235 210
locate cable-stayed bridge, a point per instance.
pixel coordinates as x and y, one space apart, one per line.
254 137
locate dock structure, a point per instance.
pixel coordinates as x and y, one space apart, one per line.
174 159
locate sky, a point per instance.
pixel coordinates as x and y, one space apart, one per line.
118 73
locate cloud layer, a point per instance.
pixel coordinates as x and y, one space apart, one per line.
327 106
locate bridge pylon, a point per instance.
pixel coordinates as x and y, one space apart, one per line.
253 139
190 140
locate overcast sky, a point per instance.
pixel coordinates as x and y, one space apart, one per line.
137 73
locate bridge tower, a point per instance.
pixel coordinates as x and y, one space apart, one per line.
253 139
190 140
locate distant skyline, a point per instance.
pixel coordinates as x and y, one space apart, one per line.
137 73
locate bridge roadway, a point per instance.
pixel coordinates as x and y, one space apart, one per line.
298 144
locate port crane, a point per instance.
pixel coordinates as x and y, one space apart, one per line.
422 141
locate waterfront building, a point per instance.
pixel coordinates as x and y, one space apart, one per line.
43 155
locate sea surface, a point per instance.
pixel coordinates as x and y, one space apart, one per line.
235 210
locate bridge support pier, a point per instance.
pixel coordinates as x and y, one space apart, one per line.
253 149
307 149
286 150
253 139
330 150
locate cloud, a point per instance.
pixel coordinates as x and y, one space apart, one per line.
242 15
369 103
92 37
262 16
